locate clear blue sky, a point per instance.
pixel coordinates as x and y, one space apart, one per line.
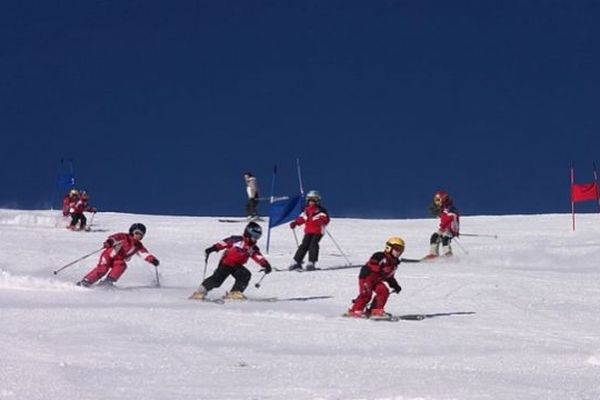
163 105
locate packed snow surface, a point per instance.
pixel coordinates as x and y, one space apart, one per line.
517 317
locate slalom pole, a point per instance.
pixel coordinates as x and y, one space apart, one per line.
479 235
257 284
299 176
76 261
338 247
572 201
270 205
461 246
596 180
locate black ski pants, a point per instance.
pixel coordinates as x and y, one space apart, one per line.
437 238
240 273
310 245
75 218
251 207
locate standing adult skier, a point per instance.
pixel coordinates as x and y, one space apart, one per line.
372 279
238 250
315 219
118 249
449 227
252 192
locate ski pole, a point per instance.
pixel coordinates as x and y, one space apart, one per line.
157 279
89 226
460 245
479 235
295 237
257 284
338 247
76 261
205 267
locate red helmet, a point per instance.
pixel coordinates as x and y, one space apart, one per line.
441 198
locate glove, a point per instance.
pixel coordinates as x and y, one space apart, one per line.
267 269
207 252
108 243
293 224
397 289
154 261
93 209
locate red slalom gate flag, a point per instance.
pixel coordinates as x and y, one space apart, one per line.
584 192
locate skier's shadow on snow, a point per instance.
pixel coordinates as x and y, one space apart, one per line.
420 317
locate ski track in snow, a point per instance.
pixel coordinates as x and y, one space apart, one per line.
515 318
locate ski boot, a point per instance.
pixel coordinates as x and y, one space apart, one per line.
107 283
234 295
355 314
310 266
447 251
379 313
199 294
296 266
84 283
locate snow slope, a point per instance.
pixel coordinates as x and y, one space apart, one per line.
515 318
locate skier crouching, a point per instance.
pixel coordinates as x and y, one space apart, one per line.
372 279
118 249
238 249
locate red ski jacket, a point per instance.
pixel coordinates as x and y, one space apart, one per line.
238 250
315 219
80 206
68 204
381 267
449 221
124 246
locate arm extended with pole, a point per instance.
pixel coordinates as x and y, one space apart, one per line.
76 261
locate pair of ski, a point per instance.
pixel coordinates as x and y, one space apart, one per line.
390 317
337 267
261 299
334 268
255 219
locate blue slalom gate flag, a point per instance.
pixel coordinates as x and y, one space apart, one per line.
65 181
285 210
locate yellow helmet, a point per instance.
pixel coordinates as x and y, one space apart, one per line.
394 242
73 192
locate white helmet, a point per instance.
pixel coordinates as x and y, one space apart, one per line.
313 195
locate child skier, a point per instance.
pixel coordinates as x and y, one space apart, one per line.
443 208
118 249
315 218
238 249
372 279
69 201
77 210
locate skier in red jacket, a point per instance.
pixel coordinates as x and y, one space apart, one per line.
77 210
315 218
118 249
238 250
449 227
69 201
373 277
